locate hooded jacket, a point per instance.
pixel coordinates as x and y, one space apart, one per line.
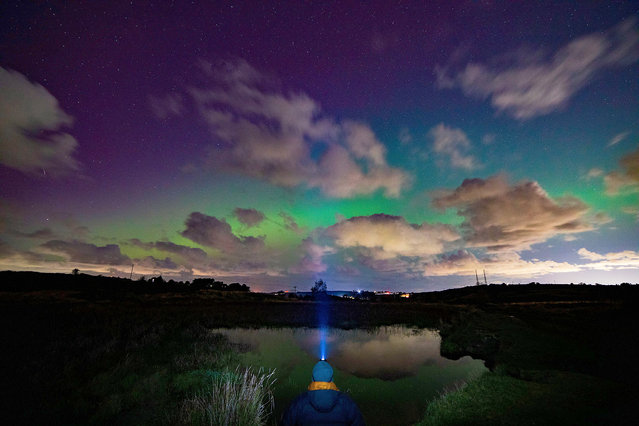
324 405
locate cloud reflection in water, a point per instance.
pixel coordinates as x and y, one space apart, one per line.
386 353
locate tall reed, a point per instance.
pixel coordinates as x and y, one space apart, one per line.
240 397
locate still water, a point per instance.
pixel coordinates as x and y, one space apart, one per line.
391 372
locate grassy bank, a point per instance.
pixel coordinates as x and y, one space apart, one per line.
96 367
550 398
551 364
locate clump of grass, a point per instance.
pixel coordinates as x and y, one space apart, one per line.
242 397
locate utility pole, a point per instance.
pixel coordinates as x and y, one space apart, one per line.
476 278
485 281
131 276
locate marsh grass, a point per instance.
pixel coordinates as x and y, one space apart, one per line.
130 367
241 397
552 398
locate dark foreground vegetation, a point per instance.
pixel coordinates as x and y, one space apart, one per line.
82 352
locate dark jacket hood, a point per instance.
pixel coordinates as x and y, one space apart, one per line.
323 400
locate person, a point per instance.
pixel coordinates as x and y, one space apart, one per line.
323 403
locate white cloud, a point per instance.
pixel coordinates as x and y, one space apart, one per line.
627 259
30 121
594 173
392 236
286 140
362 142
499 216
618 138
454 144
586 254
536 85
501 265
339 175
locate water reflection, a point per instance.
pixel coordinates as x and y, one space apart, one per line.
388 354
391 372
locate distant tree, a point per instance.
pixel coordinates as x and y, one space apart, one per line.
218 285
208 283
76 271
238 287
319 287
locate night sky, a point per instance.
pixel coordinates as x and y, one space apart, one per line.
374 145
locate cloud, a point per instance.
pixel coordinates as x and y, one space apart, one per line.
312 261
594 173
391 236
633 210
78 251
286 140
499 216
150 262
248 217
627 179
338 175
618 138
391 264
532 85
405 136
363 144
30 121
5 250
290 223
453 143
499 265
488 138
627 259
212 232
168 105
192 255
381 242
42 234
389 355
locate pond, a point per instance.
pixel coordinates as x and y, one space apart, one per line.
390 372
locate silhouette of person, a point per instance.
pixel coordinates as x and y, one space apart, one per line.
323 403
